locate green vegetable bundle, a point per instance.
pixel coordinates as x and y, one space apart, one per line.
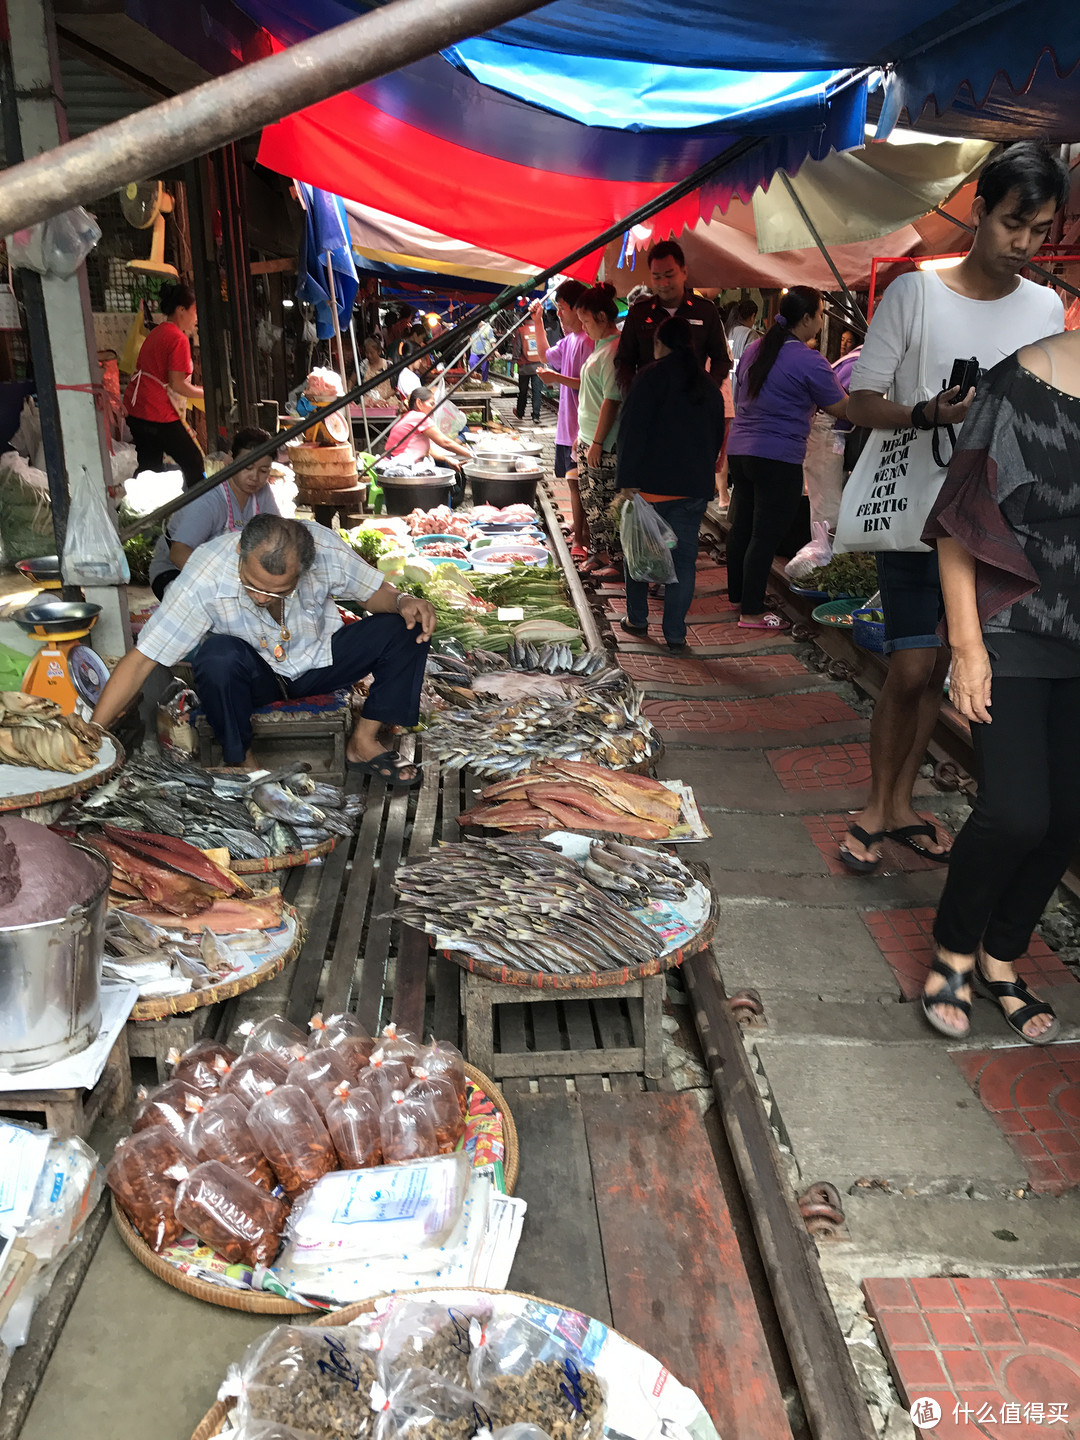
854 574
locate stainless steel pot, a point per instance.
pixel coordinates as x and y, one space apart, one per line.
50 982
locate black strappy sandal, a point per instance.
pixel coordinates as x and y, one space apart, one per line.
640 632
388 767
1016 989
861 867
949 994
906 836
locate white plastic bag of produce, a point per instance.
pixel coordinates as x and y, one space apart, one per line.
647 542
816 553
384 1210
93 554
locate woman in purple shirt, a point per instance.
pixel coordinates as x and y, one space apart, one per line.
780 384
562 364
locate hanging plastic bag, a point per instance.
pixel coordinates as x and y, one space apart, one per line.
175 730
93 554
69 238
812 556
647 542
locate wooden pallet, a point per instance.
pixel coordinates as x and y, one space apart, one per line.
75 1111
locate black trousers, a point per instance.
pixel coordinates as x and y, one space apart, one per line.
1018 839
154 440
525 383
765 497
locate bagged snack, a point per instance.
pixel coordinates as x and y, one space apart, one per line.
442 1058
523 1374
234 1217
407 1127
277 1035
67 1190
442 1099
220 1131
431 1335
203 1064
424 1406
143 1174
397 1044
319 1075
354 1051
171 1104
248 1078
352 1118
328 1031
385 1075
291 1135
316 1379
272 1430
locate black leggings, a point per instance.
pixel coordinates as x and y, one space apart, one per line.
765 497
154 440
1019 838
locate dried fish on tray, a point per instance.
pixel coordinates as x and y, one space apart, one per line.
602 721
522 904
34 732
577 795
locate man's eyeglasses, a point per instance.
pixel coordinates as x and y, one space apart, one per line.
267 594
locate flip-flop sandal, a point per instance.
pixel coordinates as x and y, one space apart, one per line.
906 836
606 572
998 989
854 862
388 767
680 649
769 621
640 631
578 552
949 994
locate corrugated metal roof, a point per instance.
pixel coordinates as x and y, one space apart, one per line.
94 98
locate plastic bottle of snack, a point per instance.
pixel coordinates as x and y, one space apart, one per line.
407 1127
352 1117
446 1112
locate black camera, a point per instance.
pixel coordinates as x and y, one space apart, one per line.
965 374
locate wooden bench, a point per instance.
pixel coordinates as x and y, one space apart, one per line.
75 1111
315 717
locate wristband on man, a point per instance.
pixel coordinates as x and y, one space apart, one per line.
918 415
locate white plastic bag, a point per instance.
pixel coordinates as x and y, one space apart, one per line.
93 554
57 246
813 555
647 542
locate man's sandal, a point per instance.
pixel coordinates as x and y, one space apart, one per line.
997 990
853 862
388 766
949 994
906 836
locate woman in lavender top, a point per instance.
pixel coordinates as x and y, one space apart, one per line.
562 364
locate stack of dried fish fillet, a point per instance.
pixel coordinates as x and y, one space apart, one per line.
576 795
520 903
34 732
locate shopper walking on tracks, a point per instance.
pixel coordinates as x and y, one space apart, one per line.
561 366
156 398
779 386
527 358
1007 527
985 309
671 431
671 295
599 403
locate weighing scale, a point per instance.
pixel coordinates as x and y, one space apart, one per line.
63 670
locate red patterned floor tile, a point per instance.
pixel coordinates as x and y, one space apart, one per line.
827 831
665 669
1033 1087
1015 1376
822 767
706 601
740 668
774 712
905 939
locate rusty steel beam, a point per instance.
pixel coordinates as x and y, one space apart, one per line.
231 106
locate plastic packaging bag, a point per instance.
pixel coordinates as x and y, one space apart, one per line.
172 1105
175 729
250 1077
408 1129
523 1373
385 1076
237 1219
364 1214
441 1097
327 1031
68 1188
319 1075
272 1430
316 1379
69 238
397 1044
813 555
203 1065
220 1131
276 1035
93 554
292 1136
143 1174
424 1406
431 1335
647 542
442 1058
353 1122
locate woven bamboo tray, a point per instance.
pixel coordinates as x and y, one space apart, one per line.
72 786
260 1302
282 862
212 1422
166 1005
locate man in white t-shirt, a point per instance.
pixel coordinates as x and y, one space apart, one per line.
983 309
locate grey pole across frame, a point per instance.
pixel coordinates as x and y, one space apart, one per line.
231 106
856 311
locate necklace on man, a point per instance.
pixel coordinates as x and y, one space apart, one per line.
285 635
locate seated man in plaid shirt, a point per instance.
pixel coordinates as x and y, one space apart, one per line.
261 617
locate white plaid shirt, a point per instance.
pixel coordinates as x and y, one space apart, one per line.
207 598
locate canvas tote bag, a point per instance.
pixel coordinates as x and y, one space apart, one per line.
890 492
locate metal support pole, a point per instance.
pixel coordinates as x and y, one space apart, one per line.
856 311
240 103
363 406
332 288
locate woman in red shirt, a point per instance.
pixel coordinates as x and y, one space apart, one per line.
161 380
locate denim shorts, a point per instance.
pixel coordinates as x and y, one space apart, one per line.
564 460
910 599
